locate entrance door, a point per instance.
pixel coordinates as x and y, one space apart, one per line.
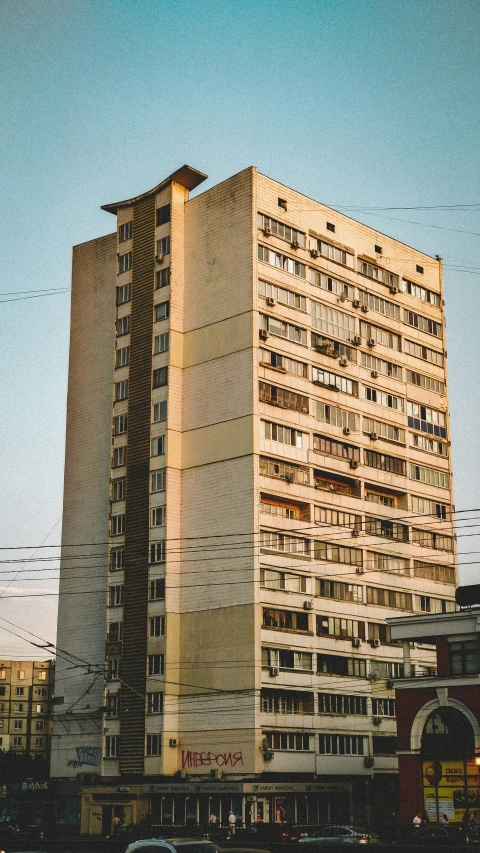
107 817
262 810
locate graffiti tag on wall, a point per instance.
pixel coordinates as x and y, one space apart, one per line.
209 759
89 755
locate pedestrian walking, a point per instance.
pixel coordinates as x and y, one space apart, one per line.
231 824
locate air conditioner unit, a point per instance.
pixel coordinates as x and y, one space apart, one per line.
369 761
159 259
216 774
267 231
371 342
359 570
356 303
393 289
354 533
308 605
346 430
373 436
376 721
365 309
173 741
270 300
374 643
356 642
267 755
374 374
357 340
295 244
343 361
274 671
314 253
353 464
263 334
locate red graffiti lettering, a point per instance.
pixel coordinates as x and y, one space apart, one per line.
206 759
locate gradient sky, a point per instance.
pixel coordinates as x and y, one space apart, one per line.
356 103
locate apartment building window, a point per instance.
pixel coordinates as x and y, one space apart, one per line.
282 471
279 229
383 430
18 706
163 214
19 691
155 703
117 559
330 284
339 703
113 705
122 357
3 675
427 382
336 665
41 691
377 273
339 590
337 518
125 262
274 579
323 444
117 525
380 336
380 365
161 342
424 324
268 358
425 419
125 232
112 746
120 424
123 325
282 542
383 462
287 702
379 631
287 659
330 227
378 305
115 595
421 292
464 658
334 253
335 416
424 506
157 589
282 295
158 445
389 598
283 398
337 553
334 381
121 390
431 476
124 293
155 665
118 489
42 675
162 278
119 456
386 528
18 741
281 329
374 395
163 246
335 626
285 435
115 632
17 725
332 322
290 620
153 745
156 626
438 573
386 669
20 674
160 411
113 669
280 509
420 351
162 311
282 262
157 552
341 744
160 377
288 741
39 725
429 445
387 562
159 516
432 539
427 604
383 707
159 480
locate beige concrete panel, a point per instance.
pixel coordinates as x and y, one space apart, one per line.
217 442
218 339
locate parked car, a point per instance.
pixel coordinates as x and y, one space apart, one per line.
335 834
172 845
267 833
435 835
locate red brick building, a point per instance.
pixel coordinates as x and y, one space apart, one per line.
438 716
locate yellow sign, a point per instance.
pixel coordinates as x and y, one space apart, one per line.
450 787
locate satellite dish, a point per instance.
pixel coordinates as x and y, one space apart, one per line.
468 596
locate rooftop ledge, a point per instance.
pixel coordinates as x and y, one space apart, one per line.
185 176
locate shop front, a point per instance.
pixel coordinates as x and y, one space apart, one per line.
103 808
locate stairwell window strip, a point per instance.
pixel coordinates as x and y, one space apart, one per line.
380 336
330 284
163 215
160 377
159 516
117 525
119 456
163 246
117 559
123 325
282 262
281 329
112 746
282 295
120 424
332 322
162 278
121 390
279 229
157 589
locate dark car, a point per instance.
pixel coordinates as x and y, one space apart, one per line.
436 835
267 832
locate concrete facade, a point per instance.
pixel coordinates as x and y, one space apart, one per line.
300 494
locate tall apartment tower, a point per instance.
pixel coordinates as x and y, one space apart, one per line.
258 474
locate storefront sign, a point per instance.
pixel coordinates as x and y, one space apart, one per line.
245 787
450 787
34 786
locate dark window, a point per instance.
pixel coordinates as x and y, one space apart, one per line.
125 232
286 619
123 325
282 202
378 250
330 226
464 657
163 214
419 269
384 745
160 377
162 311
162 278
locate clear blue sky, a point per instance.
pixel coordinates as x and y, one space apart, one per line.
368 103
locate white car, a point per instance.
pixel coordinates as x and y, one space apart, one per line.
335 834
172 845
